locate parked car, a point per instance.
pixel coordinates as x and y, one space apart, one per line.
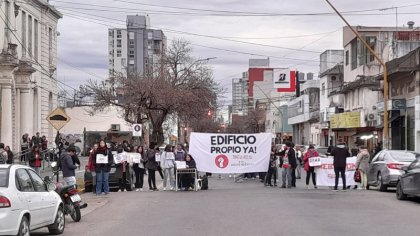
386 168
409 182
113 181
28 203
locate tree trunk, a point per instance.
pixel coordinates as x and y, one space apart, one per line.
157 125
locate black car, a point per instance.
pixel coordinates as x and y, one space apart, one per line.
113 182
409 181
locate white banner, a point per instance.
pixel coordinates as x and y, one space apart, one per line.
325 175
231 153
315 161
101 159
120 158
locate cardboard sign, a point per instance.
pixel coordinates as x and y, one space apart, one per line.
315 161
134 158
181 164
119 158
101 159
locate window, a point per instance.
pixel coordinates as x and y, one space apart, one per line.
50 38
323 89
4 177
23 181
118 43
131 52
118 33
132 56
118 53
23 34
36 39
111 33
353 54
38 182
30 35
131 35
357 97
124 62
347 58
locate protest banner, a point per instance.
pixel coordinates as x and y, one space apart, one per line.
325 175
120 158
314 161
231 153
101 159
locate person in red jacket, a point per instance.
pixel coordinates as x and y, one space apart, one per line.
310 170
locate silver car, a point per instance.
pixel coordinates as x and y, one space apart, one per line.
386 168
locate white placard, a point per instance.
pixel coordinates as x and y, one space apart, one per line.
134 157
325 175
137 130
101 159
119 158
157 157
231 153
314 161
181 164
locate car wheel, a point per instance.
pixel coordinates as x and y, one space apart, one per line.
24 227
381 186
59 224
400 193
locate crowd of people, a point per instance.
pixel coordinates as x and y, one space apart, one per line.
287 160
152 160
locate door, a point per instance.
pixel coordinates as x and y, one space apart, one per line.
411 182
374 167
47 206
27 194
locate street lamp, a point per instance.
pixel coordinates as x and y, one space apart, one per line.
385 120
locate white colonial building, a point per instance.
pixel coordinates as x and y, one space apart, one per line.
28 64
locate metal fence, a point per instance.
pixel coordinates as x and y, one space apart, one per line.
49 155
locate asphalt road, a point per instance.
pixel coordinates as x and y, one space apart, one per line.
247 208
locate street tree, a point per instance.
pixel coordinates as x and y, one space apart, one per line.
179 85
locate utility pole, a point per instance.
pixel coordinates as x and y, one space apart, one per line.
385 119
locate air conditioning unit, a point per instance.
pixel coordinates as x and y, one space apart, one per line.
115 127
371 117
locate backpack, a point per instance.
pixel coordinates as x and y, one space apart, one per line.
204 183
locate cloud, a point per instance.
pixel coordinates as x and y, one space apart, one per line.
84 44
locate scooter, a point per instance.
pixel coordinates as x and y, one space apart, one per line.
69 195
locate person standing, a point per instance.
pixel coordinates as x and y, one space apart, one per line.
167 162
3 154
288 163
68 167
151 166
139 170
310 170
35 159
362 165
24 148
271 173
122 170
291 154
180 154
340 154
299 161
91 167
9 155
102 169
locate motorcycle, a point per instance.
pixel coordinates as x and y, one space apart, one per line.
69 195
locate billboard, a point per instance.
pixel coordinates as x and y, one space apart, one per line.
284 80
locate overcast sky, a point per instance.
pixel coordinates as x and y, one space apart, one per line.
83 44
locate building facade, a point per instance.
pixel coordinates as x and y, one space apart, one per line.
28 69
136 49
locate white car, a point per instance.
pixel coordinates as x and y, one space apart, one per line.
27 203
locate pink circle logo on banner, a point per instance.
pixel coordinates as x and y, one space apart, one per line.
221 161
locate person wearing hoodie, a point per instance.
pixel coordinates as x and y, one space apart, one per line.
310 170
102 169
362 165
167 162
68 167
340 154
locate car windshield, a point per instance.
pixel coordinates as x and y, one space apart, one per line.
403 156
4 174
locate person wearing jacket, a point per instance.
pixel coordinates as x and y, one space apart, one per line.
24 147
123 169
139 170
340 154
35 159
91 167
9 155
188 180
167 162
288 163
310 170
180 154
102 169
362 165
271 173
68 167
151 166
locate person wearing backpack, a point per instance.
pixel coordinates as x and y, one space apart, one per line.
310 170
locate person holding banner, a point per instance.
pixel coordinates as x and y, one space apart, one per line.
340 154
122 170
310 170
139 170
188 180
167 162
102 161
